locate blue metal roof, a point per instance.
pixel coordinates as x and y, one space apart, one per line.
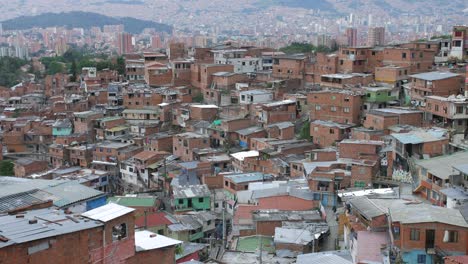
248 177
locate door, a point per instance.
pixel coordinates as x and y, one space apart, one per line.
189 203
430 238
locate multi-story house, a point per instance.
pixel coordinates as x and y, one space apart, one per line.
434 83
450 112
184 144
191 198
459 42
341 106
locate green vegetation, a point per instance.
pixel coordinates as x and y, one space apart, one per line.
297 47
442 37
10 71
7 168
305 131
198 98
74 59
84 20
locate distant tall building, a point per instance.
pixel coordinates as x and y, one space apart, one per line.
1 29
324 40
351 37
61 45
376 36
125 43
156 42
369 20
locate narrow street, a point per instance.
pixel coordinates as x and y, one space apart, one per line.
330 241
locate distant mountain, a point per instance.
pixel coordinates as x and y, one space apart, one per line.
307 4
385 6
78 19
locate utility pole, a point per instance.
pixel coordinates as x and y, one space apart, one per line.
261 249
224 224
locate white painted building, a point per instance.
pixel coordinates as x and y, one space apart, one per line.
255 96
237 57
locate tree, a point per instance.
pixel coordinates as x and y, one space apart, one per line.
120 67
305 131
73 71
55 67
7 168
198 98
10 71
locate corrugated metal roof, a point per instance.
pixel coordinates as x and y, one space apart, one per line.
146 240
248 177
61 192
107 212
366 207
191 191
133 201
328 257
434 76
19 230
411 213
14 201
71 192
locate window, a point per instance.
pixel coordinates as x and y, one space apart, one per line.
414 234
452 236
119 232
333 97
226 183
333 108
359 184
459 109
396 232
201 200
421 259
332 131
403 55
318 107
180 201
436 107
346 99
346 109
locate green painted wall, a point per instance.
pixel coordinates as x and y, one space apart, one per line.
57 131
378 97
198 203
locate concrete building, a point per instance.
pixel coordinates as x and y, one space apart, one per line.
459 42
434 83
125 43
376 36
351 37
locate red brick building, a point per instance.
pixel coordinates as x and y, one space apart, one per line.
434 83
337 106
328 133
